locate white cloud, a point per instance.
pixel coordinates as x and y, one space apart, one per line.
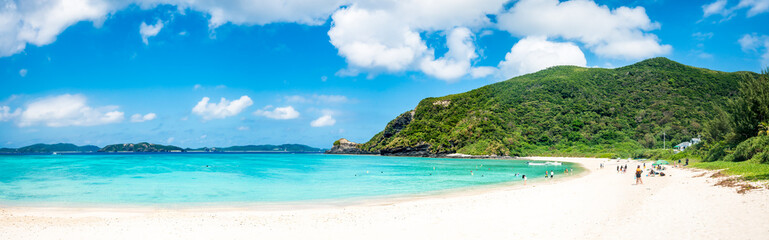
148 31
243 128
756 43
6 114
38 22
323 121
197 86
170 140
203 136
750 42
67 110
456 63
755 6
139 118
221 110
717 7
613 33
23 72
386 36
282 113
532 54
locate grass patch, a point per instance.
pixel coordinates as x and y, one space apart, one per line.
750 171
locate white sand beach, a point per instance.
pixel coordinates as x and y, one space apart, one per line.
600 204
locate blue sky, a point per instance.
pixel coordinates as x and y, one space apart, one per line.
310 72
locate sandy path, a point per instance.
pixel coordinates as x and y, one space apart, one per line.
600 205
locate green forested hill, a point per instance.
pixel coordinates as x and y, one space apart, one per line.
565 110
139 147
48 148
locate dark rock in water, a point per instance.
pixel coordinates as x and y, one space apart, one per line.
344 146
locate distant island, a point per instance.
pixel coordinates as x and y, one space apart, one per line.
260 148
146 147
50 148
140 147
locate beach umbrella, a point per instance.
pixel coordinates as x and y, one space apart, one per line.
661 162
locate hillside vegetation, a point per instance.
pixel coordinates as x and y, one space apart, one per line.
567 110
140 147
49 148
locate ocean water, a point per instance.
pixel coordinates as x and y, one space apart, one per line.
196 178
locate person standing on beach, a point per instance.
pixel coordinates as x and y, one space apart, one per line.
524 179
546 173
551 174
638 172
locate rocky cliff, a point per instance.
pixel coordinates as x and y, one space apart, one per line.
344 146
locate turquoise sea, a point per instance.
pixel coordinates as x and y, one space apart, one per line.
198 178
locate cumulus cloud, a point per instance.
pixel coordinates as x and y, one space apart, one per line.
143 118
532 54
456 62
614 33
148 31
323 121
281 113
6 113
23 72
222 109
38 22
386 36
757 44
67 110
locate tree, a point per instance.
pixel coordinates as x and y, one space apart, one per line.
751 107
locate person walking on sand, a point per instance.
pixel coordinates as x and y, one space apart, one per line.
546 173
638 172
551 174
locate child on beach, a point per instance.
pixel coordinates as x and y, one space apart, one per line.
524 179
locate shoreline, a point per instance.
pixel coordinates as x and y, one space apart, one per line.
598 204
308 204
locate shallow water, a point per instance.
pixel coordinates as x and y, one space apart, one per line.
219 178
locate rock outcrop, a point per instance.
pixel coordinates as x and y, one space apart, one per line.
344 146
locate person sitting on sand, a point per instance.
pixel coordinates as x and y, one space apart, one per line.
638 172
